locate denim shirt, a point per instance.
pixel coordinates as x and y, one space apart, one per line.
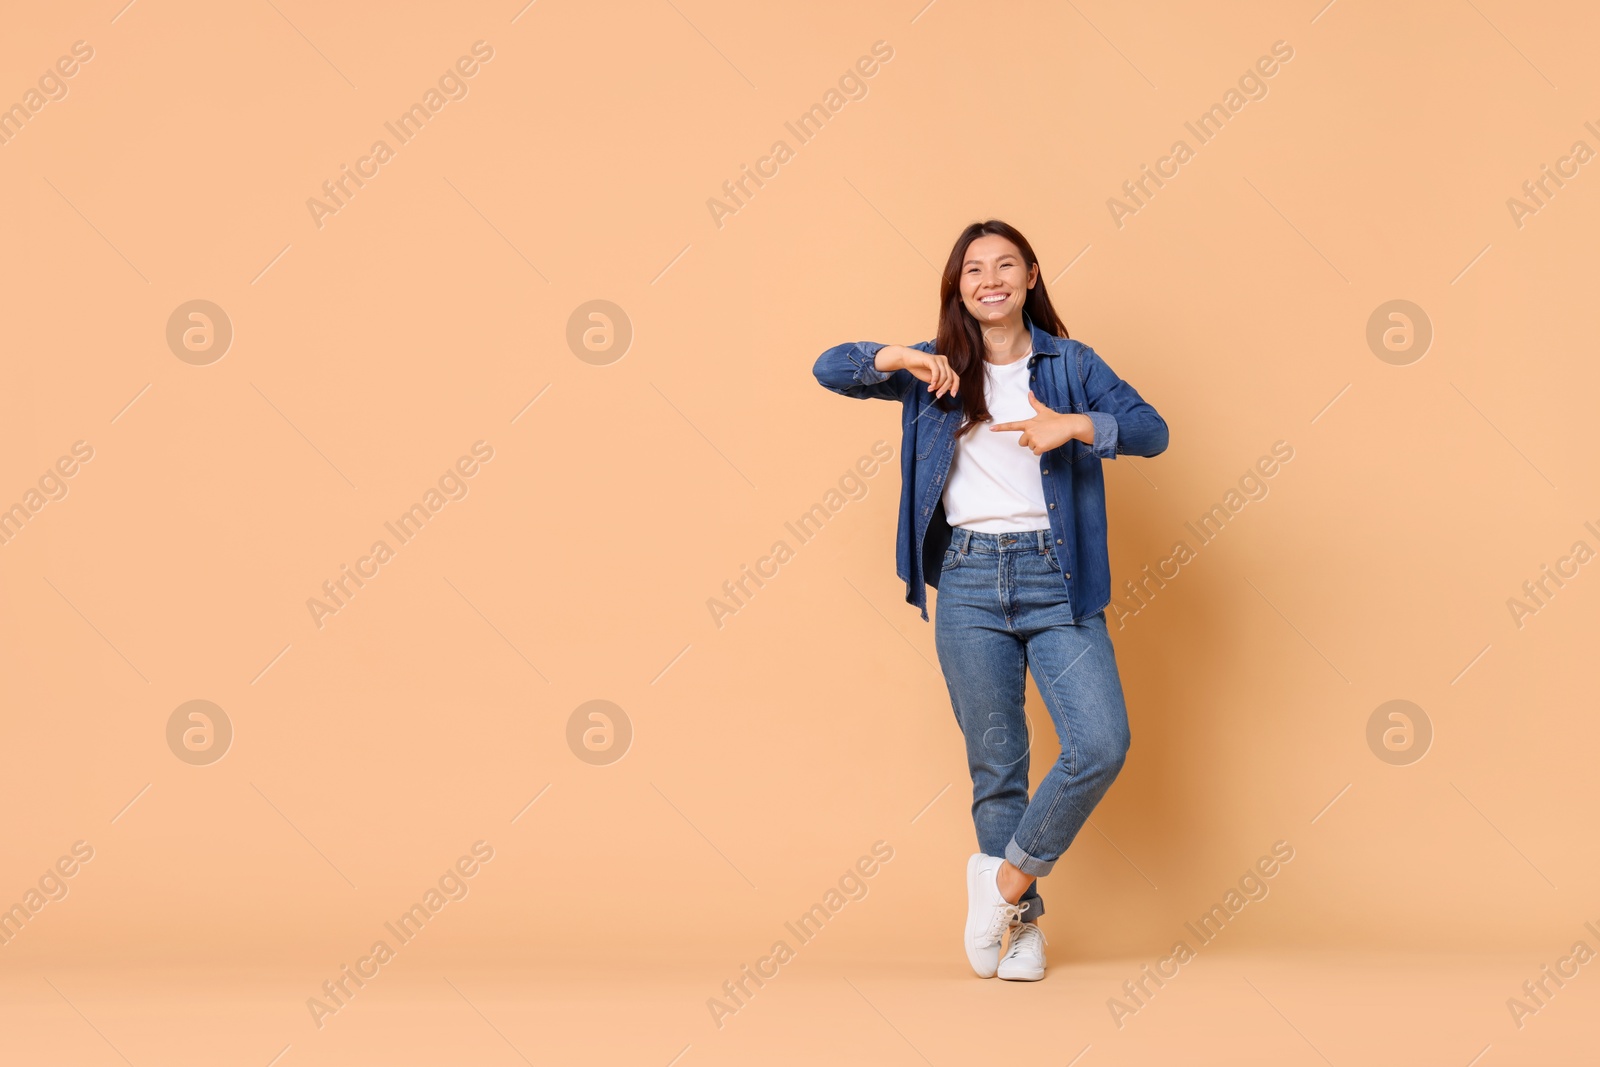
1066 376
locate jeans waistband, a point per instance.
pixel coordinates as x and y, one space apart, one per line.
967 540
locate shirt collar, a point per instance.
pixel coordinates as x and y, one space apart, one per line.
1044 344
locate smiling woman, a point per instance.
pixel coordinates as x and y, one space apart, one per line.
1008 523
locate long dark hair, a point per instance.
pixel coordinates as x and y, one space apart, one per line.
960 338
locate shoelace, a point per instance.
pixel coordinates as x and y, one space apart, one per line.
1004 916
1025 930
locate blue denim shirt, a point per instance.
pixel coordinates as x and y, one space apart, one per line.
1066 376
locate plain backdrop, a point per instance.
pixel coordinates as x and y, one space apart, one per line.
768 753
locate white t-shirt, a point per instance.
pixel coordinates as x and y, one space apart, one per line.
994 484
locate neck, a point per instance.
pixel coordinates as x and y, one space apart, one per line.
1007 340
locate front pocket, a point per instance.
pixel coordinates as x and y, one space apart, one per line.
952 556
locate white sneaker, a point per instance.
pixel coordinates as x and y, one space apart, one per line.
1024 959
988 914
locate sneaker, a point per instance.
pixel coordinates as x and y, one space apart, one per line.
988 914
1024 959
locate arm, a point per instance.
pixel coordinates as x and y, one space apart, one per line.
1123 422
853 370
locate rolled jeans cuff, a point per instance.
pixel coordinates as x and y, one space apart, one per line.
1025 863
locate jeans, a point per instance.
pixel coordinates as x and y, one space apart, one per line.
1002 607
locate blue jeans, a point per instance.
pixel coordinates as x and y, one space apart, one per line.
1002 607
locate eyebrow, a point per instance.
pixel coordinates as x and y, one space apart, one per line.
1001 256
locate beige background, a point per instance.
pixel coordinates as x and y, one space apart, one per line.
769 753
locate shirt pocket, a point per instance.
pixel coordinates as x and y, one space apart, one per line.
927 427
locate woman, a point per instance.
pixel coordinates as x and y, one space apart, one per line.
1008 522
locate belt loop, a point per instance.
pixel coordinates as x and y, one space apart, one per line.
966 541
1041 538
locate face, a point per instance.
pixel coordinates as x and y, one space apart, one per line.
994 279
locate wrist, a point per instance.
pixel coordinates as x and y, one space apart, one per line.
887 359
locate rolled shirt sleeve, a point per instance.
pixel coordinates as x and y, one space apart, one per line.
863 359
1105 434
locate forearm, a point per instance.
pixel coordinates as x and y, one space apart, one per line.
891 358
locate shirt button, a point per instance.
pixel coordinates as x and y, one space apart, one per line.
1052 507
1068 574
1058 540
1047 470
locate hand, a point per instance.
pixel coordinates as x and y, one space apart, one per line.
927 367
1049 429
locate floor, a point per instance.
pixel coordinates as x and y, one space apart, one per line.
1282 1009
